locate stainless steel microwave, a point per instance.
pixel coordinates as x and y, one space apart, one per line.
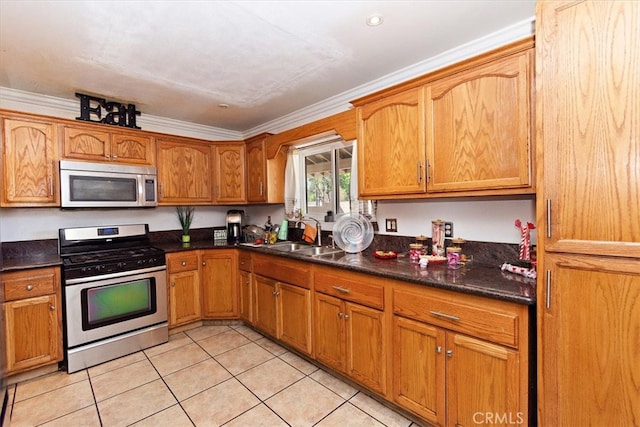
107 185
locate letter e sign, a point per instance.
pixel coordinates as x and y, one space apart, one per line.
117 114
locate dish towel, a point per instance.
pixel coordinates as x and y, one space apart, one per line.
310 233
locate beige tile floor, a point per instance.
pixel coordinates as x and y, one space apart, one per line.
208 376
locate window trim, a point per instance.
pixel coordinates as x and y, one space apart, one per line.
301 186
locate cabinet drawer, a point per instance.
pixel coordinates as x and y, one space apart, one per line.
285 270
350 287
29 283
182 262
244 261
476 316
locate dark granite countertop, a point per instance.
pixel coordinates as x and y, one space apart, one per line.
30 254
471 279
474 278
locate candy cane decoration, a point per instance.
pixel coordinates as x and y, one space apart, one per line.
525 239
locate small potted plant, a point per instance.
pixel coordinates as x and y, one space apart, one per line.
185 216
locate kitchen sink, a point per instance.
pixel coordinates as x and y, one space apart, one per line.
319 251
289 247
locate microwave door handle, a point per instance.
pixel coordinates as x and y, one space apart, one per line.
141 180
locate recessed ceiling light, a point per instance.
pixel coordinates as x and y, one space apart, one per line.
223 105
374 20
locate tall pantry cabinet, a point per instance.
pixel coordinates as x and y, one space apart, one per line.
588 138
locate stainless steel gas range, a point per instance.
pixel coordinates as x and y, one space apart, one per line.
115 296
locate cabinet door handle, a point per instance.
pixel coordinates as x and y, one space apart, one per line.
549 218
346 317
52 307
444 315
114 156
341 289
29 287
449 353
438 349
204 263
261 189
428 166
548 296
340 315
173 284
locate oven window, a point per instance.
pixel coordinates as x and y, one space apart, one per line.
102 189
106 305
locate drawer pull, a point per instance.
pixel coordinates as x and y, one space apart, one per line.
184 263
341 289
444 315
29 287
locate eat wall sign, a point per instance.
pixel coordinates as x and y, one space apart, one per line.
92 109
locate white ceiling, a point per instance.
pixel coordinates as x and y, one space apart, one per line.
265 59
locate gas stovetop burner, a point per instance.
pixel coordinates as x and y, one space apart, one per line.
105 256
88 252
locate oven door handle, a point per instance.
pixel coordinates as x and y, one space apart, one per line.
114 275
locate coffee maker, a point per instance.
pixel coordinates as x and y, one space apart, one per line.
235 218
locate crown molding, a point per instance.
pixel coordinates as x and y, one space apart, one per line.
341 102
13 99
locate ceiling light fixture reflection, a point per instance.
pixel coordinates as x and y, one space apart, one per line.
374 20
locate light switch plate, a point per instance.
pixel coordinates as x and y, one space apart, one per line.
392 225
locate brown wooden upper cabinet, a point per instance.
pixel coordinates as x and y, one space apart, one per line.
84 143
29 163
256 170
391 145
229 173
479 127
464 130
184 172
264 176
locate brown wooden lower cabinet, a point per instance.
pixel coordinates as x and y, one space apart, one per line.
219 269
282 300
183 285
452 379
33 318
448 358
349 337
458 359
283 311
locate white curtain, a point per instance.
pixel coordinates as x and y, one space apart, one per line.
290 186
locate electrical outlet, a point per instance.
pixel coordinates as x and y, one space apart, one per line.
448 230
392 225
